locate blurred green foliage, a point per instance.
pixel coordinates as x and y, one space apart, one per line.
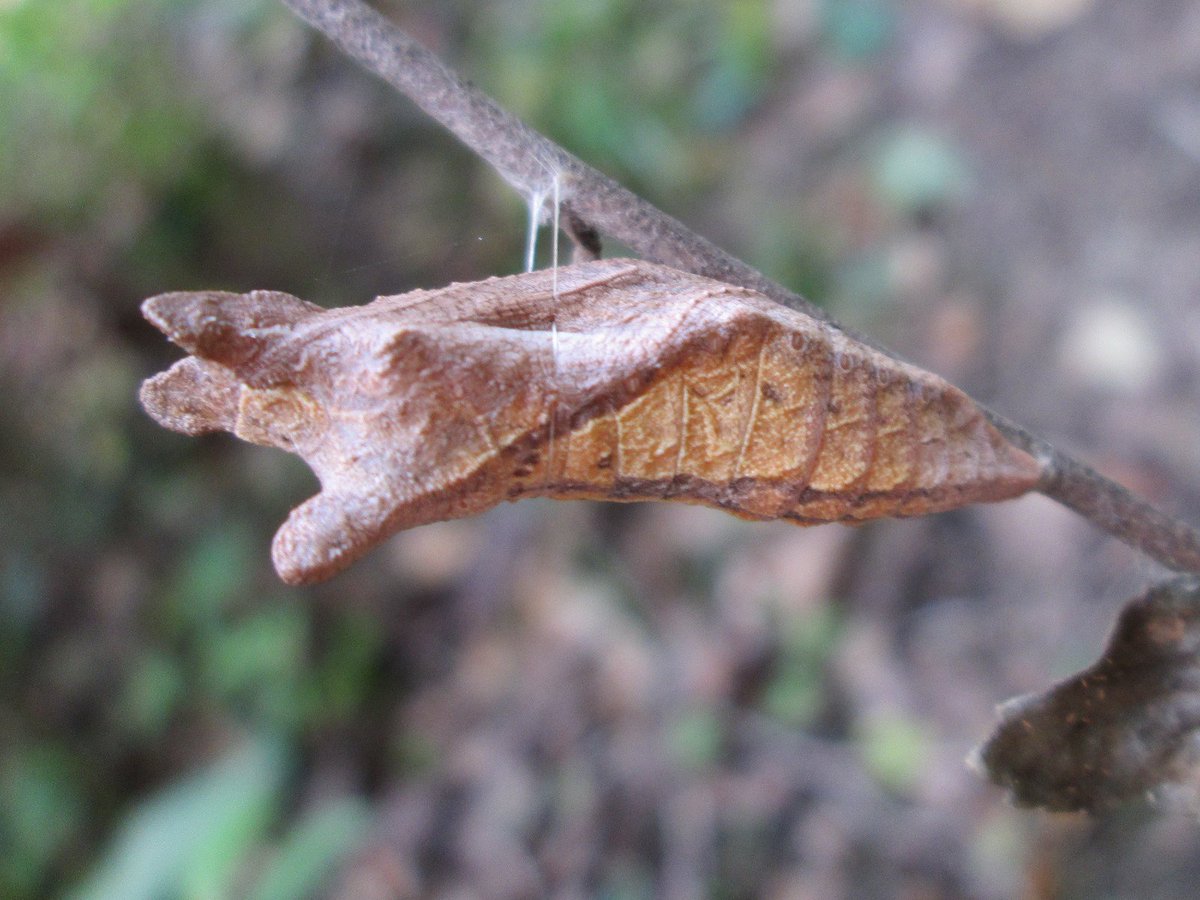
696 738
90 104
696 69
797 689
304 856
112 647
43 805
188 839
204 836
895 749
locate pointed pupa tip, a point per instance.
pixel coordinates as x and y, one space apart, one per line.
197 321
205 321
163 311
192 397
301 551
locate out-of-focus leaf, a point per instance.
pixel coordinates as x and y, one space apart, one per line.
265 646
208 577
415 754
695 68
1124 729
916 170
695 738
151 693
41 807
742 60
70 99
21 600
856 29
344 676
92 406
310 851
895 751
188 839
797 690
259 664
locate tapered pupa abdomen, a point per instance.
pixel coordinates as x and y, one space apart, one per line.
799 422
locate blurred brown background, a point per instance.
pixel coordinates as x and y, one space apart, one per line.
572 699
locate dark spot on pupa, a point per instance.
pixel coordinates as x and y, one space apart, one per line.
771 393
605 462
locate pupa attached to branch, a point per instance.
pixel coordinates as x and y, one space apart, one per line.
656 385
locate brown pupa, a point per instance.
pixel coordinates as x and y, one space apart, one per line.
612 380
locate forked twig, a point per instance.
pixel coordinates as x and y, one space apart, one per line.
528 160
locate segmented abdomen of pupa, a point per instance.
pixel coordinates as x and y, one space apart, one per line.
768 413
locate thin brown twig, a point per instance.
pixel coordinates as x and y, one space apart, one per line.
531 162
528 160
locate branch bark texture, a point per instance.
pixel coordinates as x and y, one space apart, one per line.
530 162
